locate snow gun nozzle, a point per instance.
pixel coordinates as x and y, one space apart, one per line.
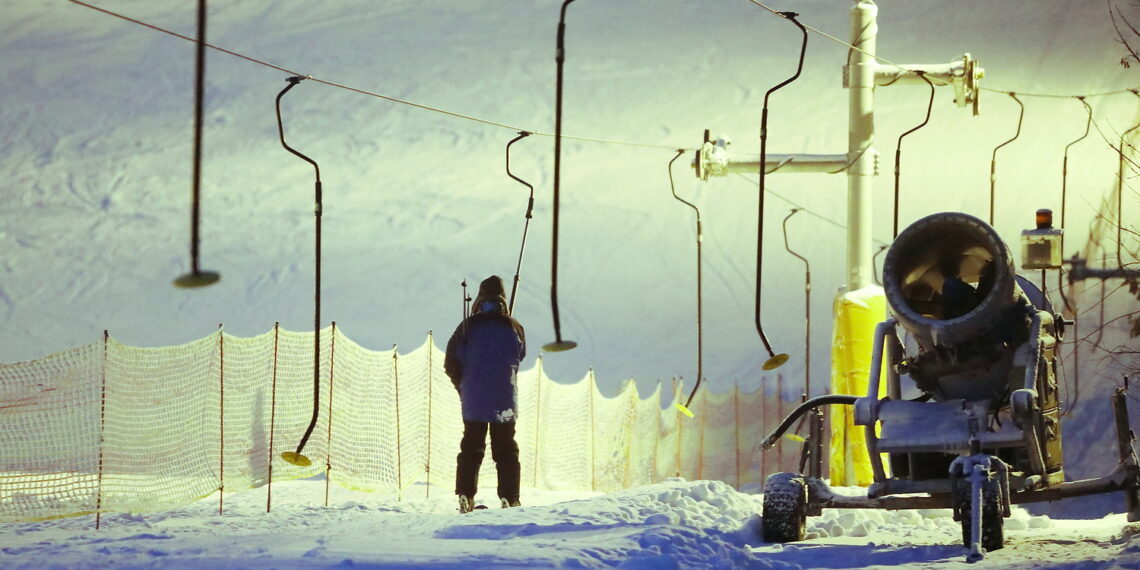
197 279
683 409
296 459
559 346
775 361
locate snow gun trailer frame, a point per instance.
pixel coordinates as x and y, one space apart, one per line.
984 431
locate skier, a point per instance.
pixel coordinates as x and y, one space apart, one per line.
482 361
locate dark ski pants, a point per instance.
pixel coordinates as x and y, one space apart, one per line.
504 450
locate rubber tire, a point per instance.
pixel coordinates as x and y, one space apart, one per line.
993 533
784 515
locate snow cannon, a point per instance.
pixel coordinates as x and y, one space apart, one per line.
971 420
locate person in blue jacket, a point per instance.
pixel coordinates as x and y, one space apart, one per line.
483 357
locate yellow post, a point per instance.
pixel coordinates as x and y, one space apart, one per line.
856 314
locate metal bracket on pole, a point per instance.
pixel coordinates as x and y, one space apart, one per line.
963 73
713 159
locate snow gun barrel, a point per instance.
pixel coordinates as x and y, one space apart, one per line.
950 282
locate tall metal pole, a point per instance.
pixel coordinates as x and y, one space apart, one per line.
861 135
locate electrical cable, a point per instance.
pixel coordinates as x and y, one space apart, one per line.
807 210
905 70
898 152
774 360
502 125
526 226
364 91
295 457
993 159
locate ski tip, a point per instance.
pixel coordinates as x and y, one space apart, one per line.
197 279
559 346
683 409
795 438
776 361
296 459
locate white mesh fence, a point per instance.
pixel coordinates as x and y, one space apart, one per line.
106 427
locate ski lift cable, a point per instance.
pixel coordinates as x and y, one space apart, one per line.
700 317
526 226
295 457
806 210
898 151
495 123
902 68
774 360
360 91
993 159
197 277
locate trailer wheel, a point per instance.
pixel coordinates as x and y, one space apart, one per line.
993 534
785 508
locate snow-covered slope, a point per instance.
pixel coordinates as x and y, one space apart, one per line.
97 138
95 152
674 524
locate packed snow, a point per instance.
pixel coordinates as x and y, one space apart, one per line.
673 524
95 150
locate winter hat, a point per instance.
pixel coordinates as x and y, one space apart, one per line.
491 289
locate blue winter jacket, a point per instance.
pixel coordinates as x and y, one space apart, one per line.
482 361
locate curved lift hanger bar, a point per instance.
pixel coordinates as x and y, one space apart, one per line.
700 318
526 226
295 457
898 153
807 306
774 360
993 159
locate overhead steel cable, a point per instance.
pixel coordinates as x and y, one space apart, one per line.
365 91
902 68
